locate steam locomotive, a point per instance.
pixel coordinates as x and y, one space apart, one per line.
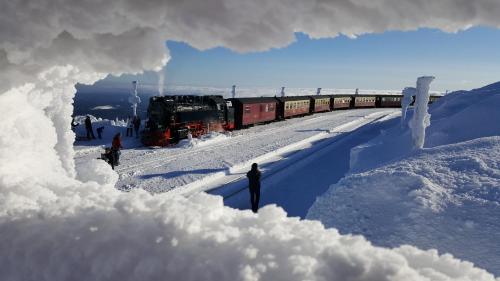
172 118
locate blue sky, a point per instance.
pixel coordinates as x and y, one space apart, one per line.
390 60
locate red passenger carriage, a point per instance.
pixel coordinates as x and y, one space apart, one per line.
250 111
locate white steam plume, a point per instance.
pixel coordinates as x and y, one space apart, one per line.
161 82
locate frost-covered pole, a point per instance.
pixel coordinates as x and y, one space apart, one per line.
282 92
318 92
134 98
421 118
233 92
408 94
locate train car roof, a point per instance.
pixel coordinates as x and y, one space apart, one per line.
365 95
253 99
390 96
320 97
292 98
340 96
172 97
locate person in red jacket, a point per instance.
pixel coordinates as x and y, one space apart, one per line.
116 145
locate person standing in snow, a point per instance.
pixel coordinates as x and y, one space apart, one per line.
88 127
137 125
99 132
116 145
130 126
254 185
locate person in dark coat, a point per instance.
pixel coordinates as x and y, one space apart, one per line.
254 185
116 145
137 125
88 127
99 132
130 126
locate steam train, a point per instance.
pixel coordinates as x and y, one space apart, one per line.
172 118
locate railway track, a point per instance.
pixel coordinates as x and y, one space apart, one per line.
298 157
159 161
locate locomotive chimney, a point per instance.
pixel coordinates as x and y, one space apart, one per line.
233 92
318 92
282 92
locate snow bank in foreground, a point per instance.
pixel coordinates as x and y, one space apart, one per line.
446 198
94 232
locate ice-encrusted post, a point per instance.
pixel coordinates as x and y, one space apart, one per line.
408 94
421 118
282 92
134 98
318 92
233 92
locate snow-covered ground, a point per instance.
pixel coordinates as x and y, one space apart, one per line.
445 196
203 164
297 180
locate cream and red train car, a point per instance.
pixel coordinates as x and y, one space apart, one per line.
293 106
320 103
340 102
364 101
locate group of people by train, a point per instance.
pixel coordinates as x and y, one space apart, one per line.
133 124
111 154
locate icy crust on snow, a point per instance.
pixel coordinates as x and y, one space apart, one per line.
94 232
446 197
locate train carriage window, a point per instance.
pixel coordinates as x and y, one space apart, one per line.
247 109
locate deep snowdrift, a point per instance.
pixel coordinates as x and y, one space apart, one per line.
446 197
